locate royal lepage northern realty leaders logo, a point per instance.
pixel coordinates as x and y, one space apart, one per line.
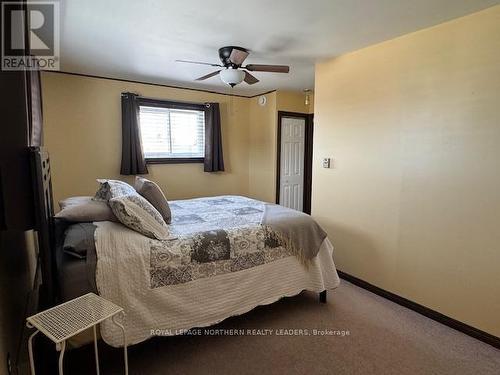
41 20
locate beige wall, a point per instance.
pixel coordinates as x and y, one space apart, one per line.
413 204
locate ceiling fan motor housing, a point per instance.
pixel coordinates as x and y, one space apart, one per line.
225 53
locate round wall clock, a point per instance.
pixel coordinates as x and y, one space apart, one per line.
262 100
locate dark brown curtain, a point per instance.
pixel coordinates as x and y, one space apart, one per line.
214 160
132 156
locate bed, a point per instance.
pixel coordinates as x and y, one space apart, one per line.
221 259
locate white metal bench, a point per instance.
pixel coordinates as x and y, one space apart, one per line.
64 321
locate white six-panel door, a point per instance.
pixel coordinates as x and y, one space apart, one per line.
292 162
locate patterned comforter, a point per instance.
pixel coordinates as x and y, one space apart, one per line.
213 236
220 262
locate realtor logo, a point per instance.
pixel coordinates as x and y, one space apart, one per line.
41 20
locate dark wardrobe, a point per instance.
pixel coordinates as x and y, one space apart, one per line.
20 128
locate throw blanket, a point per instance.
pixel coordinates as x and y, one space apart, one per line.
296 230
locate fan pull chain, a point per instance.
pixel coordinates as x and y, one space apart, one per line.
231 102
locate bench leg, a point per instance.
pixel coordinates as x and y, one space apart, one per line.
61 347
96 351
30 351
125 356
322 296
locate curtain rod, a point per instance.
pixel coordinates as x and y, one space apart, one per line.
206 104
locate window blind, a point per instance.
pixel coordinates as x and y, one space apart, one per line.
172 133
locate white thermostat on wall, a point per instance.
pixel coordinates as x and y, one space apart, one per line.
326 162
262 100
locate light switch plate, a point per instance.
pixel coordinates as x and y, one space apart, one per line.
326 162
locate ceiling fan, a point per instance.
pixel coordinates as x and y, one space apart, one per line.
232 58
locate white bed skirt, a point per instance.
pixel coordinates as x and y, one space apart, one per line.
122 277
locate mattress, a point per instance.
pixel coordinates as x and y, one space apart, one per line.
166 292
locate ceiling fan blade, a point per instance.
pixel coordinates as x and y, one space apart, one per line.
268 68
238 56
208 76
250 79
197 62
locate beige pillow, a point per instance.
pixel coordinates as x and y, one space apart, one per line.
152 192
84 209
71 201
138 214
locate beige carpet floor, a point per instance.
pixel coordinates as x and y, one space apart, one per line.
384 338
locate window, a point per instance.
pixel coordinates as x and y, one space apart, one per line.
172 132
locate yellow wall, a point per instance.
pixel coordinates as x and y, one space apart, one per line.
82 131
262 157
292 101
263 139
412 204
82 125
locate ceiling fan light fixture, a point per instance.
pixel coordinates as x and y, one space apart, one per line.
231 76
232 59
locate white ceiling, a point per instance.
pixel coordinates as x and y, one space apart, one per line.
140 39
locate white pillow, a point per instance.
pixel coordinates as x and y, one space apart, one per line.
138 214
112 188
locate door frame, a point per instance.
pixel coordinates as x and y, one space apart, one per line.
308 153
